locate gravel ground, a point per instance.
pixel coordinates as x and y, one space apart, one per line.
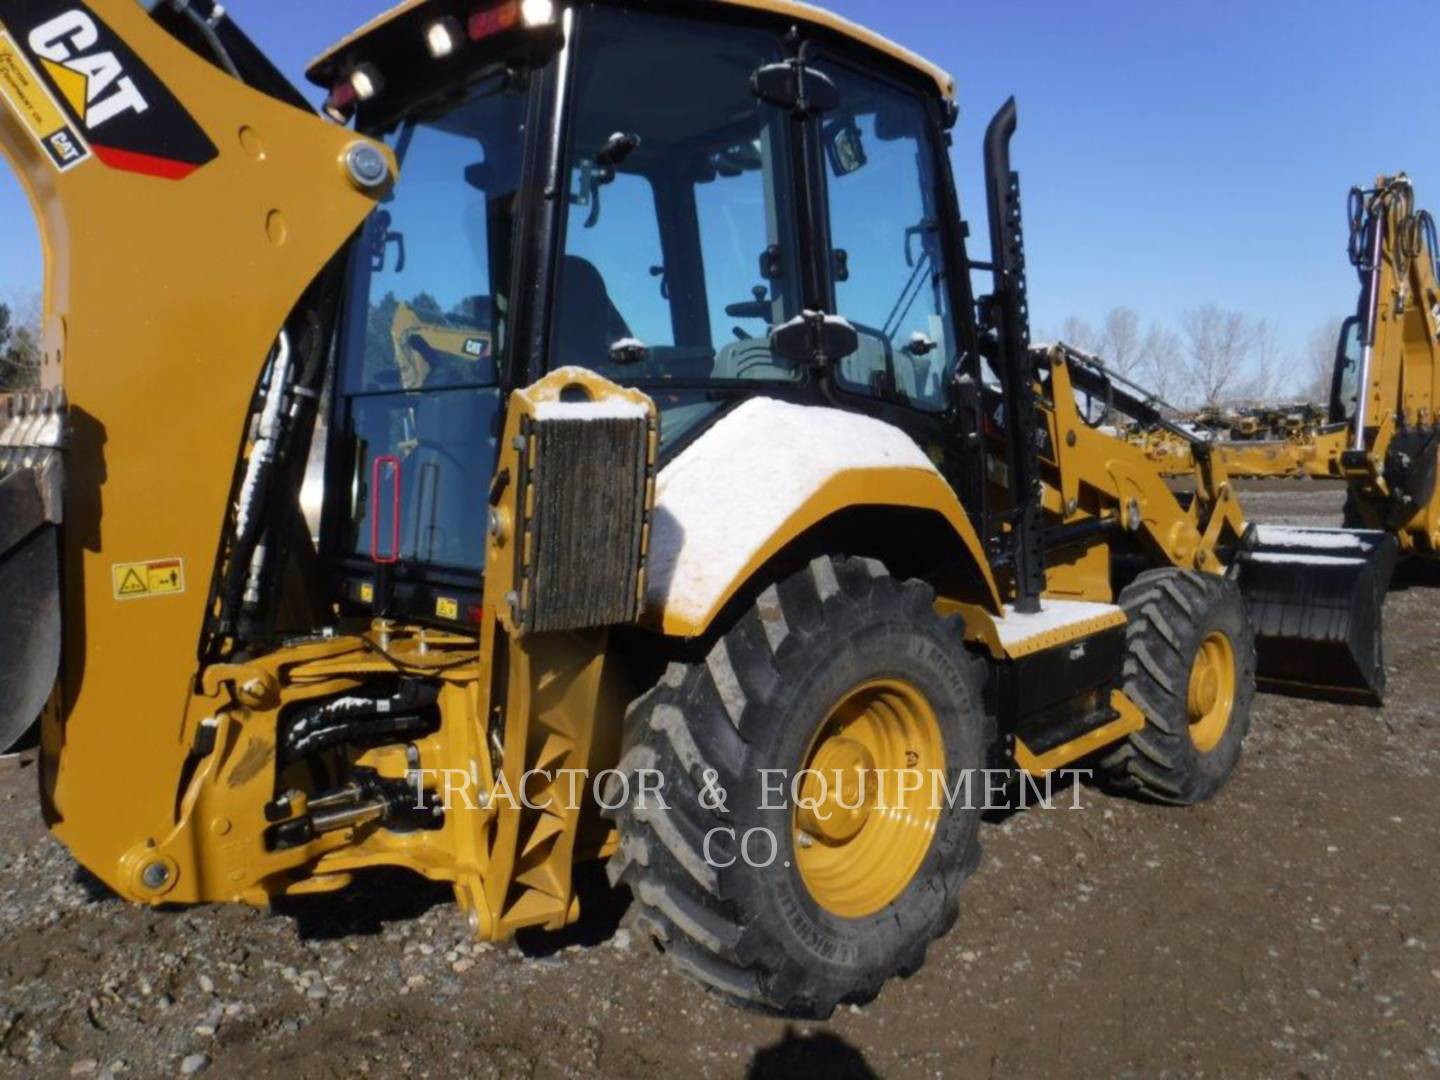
1289 928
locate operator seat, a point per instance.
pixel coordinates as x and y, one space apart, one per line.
587 322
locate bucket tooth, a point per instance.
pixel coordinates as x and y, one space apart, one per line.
1316 598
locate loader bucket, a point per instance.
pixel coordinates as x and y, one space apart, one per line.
1315 598
29 604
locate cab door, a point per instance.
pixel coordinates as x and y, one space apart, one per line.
898 270
885 201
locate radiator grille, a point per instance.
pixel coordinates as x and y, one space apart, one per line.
585 507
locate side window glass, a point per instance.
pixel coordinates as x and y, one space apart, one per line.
614 262
737 223
431 317
888 261
680 231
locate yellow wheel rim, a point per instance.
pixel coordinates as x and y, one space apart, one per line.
867 805
1211 697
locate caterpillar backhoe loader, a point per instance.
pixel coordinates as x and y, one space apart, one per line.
750 486
1380 432
1383 437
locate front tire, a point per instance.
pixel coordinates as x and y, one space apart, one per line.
1190 668
838 668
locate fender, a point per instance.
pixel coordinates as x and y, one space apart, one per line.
761 477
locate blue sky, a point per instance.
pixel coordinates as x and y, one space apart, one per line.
1171 154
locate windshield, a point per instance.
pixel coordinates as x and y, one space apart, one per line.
418 382
680 252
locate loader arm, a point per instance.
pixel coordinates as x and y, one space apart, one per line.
1315 595
184 216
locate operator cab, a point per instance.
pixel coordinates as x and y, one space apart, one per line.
617 190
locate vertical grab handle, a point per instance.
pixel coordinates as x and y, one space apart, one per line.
378 468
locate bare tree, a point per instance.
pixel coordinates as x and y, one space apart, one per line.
19 345
1321 348
1162 367
1218 343
1076 331
1120 342
1265 370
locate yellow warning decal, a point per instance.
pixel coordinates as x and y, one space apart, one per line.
158 577
446 608
367 593
30 100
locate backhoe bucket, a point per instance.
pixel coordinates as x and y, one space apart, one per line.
32 433
29 606
1315 598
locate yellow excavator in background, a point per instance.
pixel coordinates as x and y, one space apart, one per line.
437 349
749 484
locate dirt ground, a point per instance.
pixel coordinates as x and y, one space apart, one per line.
1289 928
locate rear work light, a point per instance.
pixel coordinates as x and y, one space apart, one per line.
361 84
366 81
443 37
537 12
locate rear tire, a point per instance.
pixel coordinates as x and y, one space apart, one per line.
1190 668
769 688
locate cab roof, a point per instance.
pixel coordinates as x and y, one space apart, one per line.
322 69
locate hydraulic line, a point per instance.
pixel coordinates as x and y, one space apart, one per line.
262 458
1365 253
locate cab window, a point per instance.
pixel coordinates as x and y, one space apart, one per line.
888 260
1345 391
680 252
418 400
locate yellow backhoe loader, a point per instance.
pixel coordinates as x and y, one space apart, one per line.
1380 432
1288 442
1383 437
756 531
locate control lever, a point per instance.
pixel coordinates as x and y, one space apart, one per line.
759 308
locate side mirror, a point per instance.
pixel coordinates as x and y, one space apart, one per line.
628 351
845 147
815 338
796 87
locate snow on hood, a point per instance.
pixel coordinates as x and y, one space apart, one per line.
726 494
